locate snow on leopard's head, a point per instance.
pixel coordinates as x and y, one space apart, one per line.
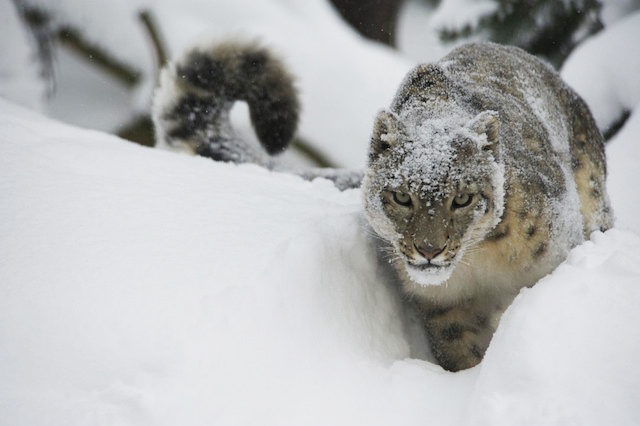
433 189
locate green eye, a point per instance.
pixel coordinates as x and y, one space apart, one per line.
461 200
402 198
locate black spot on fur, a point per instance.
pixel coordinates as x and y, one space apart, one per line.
254 62
481 320
192 113
205 150
437 311
202 71
452 332
478 103
403 99
429 76
274 123
540 250
181 132
447 363
499 233
422 84
531 231
576 164
476 351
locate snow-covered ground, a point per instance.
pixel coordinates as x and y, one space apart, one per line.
142 287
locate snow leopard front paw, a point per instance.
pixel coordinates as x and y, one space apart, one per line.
459 336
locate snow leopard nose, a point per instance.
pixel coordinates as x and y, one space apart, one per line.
428 252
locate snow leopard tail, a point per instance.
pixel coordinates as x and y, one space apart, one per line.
191 105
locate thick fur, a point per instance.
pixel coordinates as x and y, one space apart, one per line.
191 105
484 173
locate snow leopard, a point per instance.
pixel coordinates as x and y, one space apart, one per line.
482 174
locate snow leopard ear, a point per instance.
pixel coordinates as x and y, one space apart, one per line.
486 123
386 130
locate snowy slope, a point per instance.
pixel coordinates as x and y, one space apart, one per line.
142 287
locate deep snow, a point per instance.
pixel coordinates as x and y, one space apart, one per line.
141 287
147 287
604 71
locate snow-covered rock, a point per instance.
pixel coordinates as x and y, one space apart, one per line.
143 287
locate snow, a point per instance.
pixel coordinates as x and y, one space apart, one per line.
86 98
623 154
19 77
456 15
418 37
96 21
571 344
418 167
594 71
614 10
141 287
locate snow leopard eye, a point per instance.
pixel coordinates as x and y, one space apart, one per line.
402 198
461 200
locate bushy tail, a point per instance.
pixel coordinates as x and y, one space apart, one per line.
191 105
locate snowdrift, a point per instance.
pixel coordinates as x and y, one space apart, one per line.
604 71
142 287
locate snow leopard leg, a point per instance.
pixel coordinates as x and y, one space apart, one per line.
460 334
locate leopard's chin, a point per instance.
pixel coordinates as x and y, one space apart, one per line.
429 274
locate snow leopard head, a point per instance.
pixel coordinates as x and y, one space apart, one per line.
433 189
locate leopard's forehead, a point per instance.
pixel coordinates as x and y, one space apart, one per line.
423 158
